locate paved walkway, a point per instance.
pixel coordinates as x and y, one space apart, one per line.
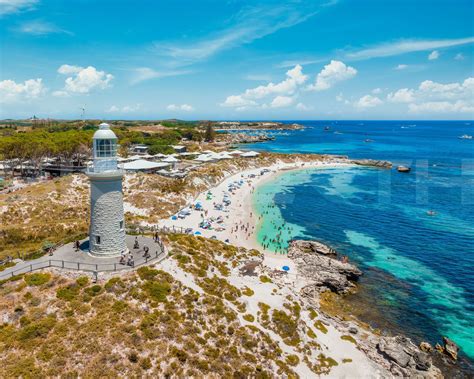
68 258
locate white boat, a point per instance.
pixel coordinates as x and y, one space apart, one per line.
465 136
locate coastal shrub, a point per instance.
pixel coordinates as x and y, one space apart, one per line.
249 318
248 291
147 273
115 285
37 279
292 360
157 290
265 279
82 281
312 314
346 360
145 363
286 327
37 329
310 333
349 338
68 293
93 290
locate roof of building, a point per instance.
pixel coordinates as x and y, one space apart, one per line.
142 164
104 132
170 159
249 154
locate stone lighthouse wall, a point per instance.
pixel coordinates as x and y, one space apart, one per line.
107 218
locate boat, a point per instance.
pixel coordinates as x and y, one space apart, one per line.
369 140
327 128
431 213
465 136
403 169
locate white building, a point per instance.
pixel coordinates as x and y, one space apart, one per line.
107 226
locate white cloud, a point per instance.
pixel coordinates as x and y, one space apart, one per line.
459 106
332 73
281 102
434 97
368 101
13 6
303 107
403 95
459 57
407 46
84 80
141 74
11 91
401 67
60 94
377 91
295 78
124 109
40 28
182 107
433 55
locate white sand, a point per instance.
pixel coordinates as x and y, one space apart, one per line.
240 211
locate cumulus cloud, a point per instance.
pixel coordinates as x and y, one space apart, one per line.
433 55
84 79
368 101
182 107
332 73
403 95
377 91
124 109
11 91
295 78
401 67
281 102
431 96
14 6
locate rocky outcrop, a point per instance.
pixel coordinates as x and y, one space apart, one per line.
373 163
320 265
450 348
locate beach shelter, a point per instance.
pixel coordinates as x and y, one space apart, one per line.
250 154
236 152
143 165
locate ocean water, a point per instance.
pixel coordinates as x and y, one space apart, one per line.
418 268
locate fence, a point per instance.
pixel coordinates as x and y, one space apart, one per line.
84 266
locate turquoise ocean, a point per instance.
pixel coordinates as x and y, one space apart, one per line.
418 268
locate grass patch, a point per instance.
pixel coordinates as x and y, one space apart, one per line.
37 279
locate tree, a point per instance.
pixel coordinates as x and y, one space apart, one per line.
210 134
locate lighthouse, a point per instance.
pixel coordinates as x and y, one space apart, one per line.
107 224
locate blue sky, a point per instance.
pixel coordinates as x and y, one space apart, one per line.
203 59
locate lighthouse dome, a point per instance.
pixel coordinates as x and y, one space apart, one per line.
104 132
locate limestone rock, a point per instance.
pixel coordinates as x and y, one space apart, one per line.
319 264
372 162
426 347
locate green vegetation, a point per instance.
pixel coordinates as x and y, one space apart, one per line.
292 360
320 326
349 338
265 279
249 318
37 279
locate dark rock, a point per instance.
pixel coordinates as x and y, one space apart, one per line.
353 330
422 361
439 348
394 351
450 348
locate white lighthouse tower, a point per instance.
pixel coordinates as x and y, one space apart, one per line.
107 227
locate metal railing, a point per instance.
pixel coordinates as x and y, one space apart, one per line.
85 266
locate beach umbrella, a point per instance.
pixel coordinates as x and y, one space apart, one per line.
286 268
197 233
174 218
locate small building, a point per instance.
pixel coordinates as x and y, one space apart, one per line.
179 148
171 160
139 149
250 154
141 165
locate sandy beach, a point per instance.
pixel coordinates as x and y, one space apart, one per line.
237 223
